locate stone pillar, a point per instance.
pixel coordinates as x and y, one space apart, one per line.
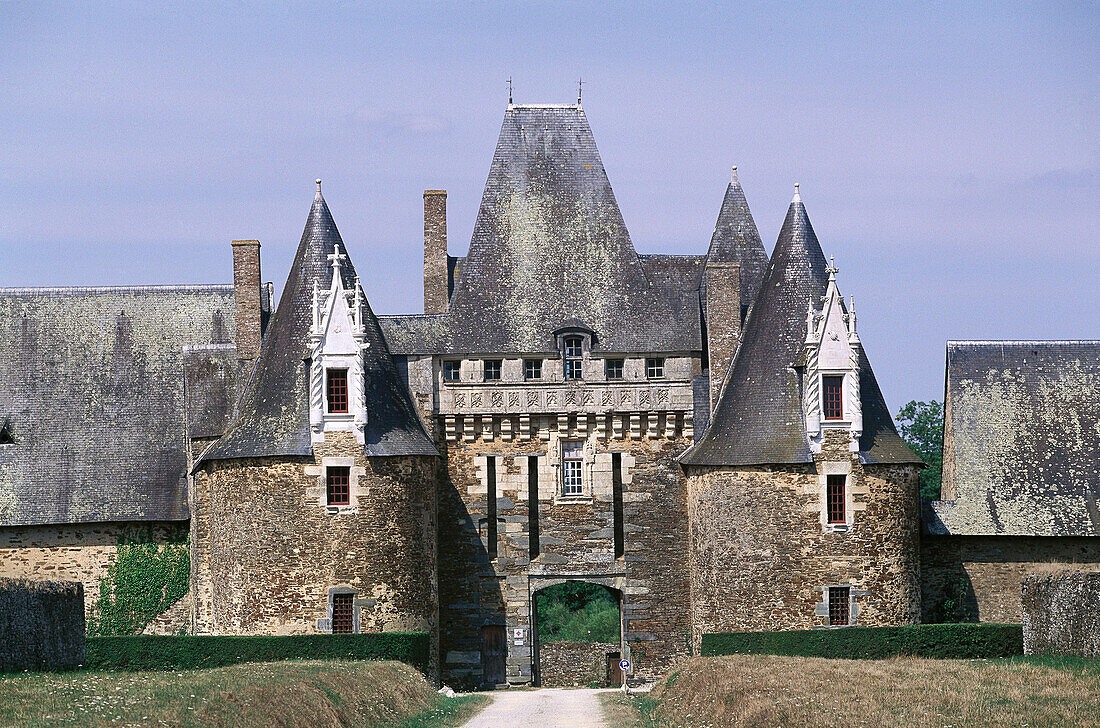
723 321
246 292
437 293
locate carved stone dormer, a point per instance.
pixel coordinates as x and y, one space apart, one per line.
832 354
337 341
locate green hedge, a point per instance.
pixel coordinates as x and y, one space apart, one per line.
148 652
941 641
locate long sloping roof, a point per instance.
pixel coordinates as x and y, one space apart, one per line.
1021 439
274 413
550 244
92 391
758 419
736 240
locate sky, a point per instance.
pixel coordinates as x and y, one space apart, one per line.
948 154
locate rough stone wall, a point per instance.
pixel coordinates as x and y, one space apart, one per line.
175 620
576 537
982 574
761 552
574 664
266 549
1059 614
78 552
246 291
42 624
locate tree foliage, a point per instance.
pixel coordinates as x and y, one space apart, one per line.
577 611
921 426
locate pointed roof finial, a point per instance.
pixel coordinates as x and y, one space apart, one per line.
832 270
580 87
733 176
318 181
797 196
509 90
337 258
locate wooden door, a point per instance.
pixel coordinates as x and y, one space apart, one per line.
614 672
494 651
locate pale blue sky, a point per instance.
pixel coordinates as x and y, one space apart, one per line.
949 156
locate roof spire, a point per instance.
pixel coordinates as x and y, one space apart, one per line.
580 87
832 270
733 176
336 257
318 181
509 90
797 197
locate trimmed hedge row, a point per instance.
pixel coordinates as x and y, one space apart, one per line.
941 641
149 652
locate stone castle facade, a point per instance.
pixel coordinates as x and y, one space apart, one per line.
701 434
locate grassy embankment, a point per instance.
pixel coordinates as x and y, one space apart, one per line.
285 695
805 692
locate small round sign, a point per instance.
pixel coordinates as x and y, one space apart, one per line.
624 665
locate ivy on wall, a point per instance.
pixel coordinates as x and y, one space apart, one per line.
147 577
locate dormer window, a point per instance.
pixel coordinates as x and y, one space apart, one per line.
574 350
573 346
832 397
492 370
337 391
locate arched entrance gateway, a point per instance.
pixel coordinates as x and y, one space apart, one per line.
577 636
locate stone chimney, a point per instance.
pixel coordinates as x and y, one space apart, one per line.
246 291
437 293
723 281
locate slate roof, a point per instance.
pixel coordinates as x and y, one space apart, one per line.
736 240
274 412
549 243
758 419
92 388
1021 439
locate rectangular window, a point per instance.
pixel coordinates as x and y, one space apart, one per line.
573 346
532 368
533 505
491 502
655 368
492 370
342 622
838 604
833 397
573 369
835 498
613 368
338 486
451 371
572 467
337 391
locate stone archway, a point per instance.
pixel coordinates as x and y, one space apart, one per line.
578 645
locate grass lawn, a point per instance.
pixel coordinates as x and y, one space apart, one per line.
806 692
283 694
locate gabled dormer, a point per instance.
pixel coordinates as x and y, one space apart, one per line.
831 390
337 341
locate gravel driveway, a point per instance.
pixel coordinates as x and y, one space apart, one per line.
546 708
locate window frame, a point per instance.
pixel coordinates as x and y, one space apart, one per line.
836 499
573 346
609 364
573 370
831 383
572 468
532 364
655 364
330 395
332 471
494 365
343 598
839 601
451 366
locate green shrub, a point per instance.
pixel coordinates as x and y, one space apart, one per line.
941 641
150 652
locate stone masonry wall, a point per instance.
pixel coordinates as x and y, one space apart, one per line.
1059 614
982 574
78 552
267 550
761 553
576 537
574 664
42 624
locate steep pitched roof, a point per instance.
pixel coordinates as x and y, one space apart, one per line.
736 240
549 243
92 392
758 419
1021 439
274 414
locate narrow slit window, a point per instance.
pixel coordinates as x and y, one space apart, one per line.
832 389
836 498
614 368
617 498
533 505
338 486
572 468
839 597
532 368
491 498
337 391
342 622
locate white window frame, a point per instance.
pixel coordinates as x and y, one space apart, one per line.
572 469
659 366
458 370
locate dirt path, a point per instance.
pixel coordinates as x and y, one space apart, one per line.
547 708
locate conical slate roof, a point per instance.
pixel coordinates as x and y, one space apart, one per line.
736 240
274 413
758 419
550 244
